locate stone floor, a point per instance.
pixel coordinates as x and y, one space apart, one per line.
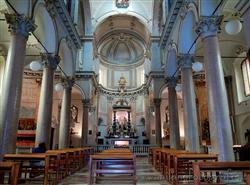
146 175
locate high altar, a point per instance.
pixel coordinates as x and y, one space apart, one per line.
121 132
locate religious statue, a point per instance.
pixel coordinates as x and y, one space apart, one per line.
122 85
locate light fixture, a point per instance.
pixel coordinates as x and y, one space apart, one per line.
178 87
58 87
233 26
35 65
197 66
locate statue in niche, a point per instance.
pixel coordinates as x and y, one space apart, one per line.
122 85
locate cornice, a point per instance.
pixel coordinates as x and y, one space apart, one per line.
156 74
67 22
169 24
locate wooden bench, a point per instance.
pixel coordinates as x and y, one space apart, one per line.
11 168
215 168
50 168
183 164
112 163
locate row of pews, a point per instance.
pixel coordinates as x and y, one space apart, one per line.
54 165
180 166
112 164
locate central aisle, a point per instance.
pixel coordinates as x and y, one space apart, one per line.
146 175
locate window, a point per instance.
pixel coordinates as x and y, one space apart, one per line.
245 67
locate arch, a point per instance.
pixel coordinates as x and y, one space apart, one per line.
187 32
81 90
171 63
67 59
162 89
46 28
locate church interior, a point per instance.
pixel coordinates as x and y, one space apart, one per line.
163 86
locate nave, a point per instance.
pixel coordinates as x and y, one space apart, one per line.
145 172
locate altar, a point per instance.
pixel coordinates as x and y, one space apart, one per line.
122 142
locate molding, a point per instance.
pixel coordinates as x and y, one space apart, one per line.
169 24
67 22
157 74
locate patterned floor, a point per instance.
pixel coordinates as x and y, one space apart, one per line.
146 175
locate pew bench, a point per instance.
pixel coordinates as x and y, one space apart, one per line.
105 164
211 172
12 168
50 169
183 170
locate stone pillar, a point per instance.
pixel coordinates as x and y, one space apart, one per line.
85 121
46 100
173 114
157 103
64 128
192 142
219 121
246 26
19 27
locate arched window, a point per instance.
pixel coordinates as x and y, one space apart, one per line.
245 68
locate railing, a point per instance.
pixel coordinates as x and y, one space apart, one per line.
139 150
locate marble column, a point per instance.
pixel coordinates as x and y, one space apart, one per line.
19 27
173 114
85 121
219 121
192 142
46 100
157 103
64 128
246 26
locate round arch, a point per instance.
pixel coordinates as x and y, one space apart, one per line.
171 63
67 58
46 28
187 33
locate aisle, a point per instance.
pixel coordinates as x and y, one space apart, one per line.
146 175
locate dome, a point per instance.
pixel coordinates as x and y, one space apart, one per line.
122 49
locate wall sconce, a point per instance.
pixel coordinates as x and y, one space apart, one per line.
197 66
58 87
233 26
178 87
35 65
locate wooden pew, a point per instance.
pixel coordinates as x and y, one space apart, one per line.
51 164
183 164
13 169
168 161
120 164
63 163
224 167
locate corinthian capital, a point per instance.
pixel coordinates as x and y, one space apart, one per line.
171 81
208 26
50 60
19 24
186 61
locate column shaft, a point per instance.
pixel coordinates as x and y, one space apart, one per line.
173 118
190 113
220 127
157 103
11 97
85 120
45 103
219 121
64 129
